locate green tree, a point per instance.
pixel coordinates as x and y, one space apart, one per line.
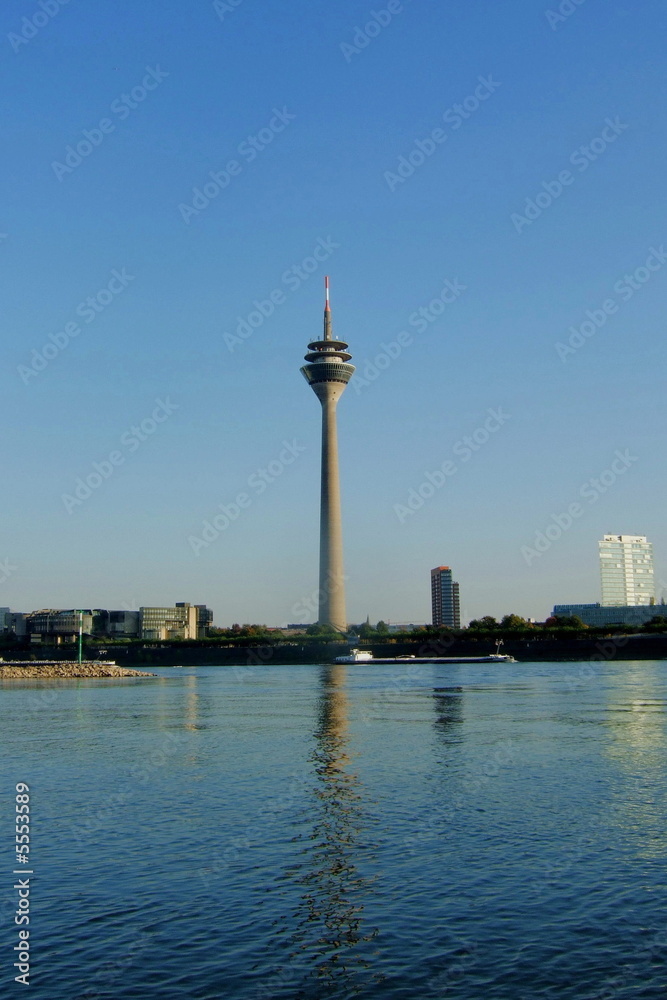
381 628
256 631
322 631
514 622
657 624
565 621
483 624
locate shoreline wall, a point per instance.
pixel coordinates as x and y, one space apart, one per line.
627 647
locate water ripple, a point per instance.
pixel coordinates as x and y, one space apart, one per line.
334 832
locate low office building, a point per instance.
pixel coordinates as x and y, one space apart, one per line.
159 624
601 615
404 626
204 620
58 625
17 623
124 625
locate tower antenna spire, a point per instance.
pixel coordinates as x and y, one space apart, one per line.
327 311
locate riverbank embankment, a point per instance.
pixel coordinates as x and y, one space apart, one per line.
636 646
595 648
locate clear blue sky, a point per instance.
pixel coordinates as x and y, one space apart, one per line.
329 174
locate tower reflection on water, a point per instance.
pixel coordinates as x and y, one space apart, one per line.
329 940
448 705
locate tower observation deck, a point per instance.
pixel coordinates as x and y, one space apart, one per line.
327 372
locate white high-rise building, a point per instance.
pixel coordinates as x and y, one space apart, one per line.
626 568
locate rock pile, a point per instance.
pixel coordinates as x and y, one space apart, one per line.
60 670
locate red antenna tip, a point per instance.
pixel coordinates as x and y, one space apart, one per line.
326 292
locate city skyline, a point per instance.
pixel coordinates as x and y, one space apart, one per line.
636 552
504 283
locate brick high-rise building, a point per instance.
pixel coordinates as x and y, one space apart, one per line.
445 603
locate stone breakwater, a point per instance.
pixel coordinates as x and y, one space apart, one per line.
64 670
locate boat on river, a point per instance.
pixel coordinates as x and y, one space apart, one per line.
355 656
363 656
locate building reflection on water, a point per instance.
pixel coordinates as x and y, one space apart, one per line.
192 708
636 708
330 936
636 717
448 706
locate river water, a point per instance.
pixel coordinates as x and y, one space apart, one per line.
461 831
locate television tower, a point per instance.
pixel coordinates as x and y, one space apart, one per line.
328 372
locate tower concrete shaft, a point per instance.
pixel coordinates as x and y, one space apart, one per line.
332 577
328 372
